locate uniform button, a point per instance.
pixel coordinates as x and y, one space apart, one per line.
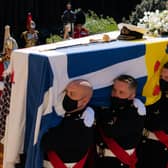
165 149
122 164
68 115
101 143
144 141
100 155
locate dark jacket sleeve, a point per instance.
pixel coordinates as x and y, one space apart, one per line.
47 141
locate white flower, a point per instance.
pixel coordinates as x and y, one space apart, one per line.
156 22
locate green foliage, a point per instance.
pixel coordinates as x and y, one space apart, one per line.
53 38
94 23
97 24
146 5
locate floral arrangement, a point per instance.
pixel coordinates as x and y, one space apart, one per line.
155 22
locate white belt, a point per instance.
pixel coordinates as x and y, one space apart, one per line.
152 136
109 153
69 165
47 164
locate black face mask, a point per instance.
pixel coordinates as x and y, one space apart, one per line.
163 85
120 104
69 104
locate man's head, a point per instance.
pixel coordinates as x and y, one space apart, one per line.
77 95
31 26
164 72
164 78
123 92
68 6
79 26
124 87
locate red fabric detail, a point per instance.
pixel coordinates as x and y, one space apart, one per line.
80 33
120 153
29 19
12 77
162 136
1 70
55 160
91 157
81 163
58 163
156 90
156 66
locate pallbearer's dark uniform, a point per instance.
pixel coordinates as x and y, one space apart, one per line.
119 133
153 149
71 141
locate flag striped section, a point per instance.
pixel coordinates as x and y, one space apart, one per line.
94 60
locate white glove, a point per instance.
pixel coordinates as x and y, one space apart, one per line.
140 106
88 117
